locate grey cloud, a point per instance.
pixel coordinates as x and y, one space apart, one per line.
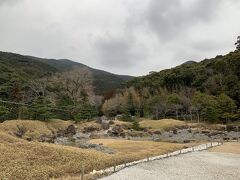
8 2
168 19
204 46
142 35
116 52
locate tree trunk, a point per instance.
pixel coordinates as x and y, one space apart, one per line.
141 113
198 117
191 115
176 114
19 113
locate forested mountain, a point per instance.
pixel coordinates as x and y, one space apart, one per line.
208 90
42 86
212 76
24 67
103 81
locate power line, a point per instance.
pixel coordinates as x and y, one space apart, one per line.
23 104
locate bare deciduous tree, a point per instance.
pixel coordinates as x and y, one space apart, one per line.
76 84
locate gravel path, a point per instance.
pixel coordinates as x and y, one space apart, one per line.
197 166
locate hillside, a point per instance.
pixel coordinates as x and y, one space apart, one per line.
11 64
48 88
103 81
16 70
208 91
212 76
14 66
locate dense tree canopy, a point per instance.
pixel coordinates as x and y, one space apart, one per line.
205 91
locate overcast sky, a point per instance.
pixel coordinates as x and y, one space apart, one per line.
121 36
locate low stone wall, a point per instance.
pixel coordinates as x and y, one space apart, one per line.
175 153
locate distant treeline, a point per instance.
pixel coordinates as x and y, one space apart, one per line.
205 91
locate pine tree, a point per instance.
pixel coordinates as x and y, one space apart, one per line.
238 43
3 112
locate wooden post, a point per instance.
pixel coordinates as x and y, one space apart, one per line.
114 168
192 149
82 172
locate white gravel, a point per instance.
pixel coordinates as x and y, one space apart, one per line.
197 166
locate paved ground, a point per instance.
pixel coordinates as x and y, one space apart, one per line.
194 166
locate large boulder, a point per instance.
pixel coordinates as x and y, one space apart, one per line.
157 132
89 129
94 135
47 138
186 141
118 117
105 124
69 131
232 128
117 130
175 131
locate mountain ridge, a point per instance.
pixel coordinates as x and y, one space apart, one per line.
102 80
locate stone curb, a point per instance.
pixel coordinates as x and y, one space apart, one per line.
114 169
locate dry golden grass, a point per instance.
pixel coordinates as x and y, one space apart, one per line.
86 124
208 126
25 160
164 124
33 160
7 138
34 129
227 147
117 122
133 150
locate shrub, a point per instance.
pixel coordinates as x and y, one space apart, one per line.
136 126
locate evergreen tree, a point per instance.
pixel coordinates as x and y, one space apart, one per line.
41 109
136 126
86 111
3 112
210 113
157 106
238 43
174 103
226 107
